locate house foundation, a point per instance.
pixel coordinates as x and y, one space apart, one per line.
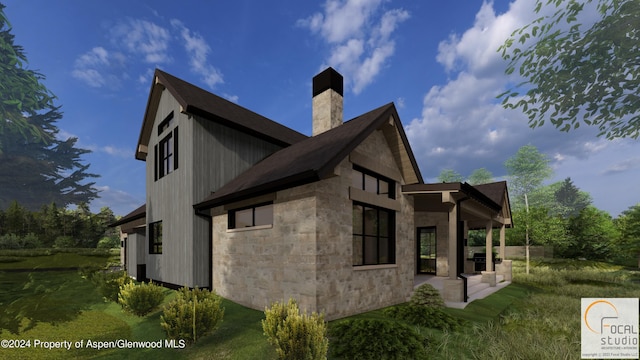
453 290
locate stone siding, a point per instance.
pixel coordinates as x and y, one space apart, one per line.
441 222
307 253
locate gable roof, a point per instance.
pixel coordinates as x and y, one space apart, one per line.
197 101
312 159
495 191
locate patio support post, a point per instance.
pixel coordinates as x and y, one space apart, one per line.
489 276
453 238
502 241
453 287
489 246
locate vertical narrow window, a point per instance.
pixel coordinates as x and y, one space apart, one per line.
155 237
166 151
175 148
167 154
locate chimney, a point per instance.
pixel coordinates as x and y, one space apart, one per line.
327 101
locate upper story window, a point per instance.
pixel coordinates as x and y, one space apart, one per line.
166 152
167 158
155 237
252 216
371 182
166 123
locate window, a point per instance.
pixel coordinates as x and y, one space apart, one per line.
166 155
166 123
252 216
373 235
427 246
155 237
371 182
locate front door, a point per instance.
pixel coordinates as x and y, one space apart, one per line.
426 250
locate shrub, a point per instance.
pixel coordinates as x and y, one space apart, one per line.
10 241
140 299
31 241
376 339
431 317
108 243
64 242
109 283
194 313
427 295
294 335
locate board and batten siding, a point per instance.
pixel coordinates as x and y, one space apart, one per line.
209 156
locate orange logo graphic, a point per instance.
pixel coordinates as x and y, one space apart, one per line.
604 310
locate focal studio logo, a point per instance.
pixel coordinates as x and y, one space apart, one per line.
604 311
610 328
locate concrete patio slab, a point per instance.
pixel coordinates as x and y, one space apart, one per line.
476 289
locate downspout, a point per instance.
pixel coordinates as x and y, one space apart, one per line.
209 219
460 248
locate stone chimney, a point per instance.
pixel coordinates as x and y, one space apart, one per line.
327 101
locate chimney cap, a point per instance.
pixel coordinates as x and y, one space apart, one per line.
328 79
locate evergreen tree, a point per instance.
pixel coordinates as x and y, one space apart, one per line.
36 167
570 199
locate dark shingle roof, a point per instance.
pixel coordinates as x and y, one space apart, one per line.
304 162
136 214
197 101
495 191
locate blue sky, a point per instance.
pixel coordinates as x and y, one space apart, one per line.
436 60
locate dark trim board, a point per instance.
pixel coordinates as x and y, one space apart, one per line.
172 286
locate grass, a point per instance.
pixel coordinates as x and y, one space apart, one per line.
34 259
536 317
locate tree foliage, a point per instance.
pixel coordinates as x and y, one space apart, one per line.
449 175
480 176
36 167
576 75
591 235
527 170
22 95
54 225
628 244
570 200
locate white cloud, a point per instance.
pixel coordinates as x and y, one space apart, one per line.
359 37
116 151
623 166
198 51
463 126
232 98
137 40
341 20
92 67
144 38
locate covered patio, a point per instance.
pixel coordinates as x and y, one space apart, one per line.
449 211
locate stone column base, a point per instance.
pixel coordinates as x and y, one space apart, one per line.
504 269
489 277
453 290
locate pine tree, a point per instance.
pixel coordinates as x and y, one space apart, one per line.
36 167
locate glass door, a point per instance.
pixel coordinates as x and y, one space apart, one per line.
426 250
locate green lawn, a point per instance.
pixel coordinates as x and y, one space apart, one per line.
56 258
540 308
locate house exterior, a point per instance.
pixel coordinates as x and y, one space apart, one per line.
342 220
